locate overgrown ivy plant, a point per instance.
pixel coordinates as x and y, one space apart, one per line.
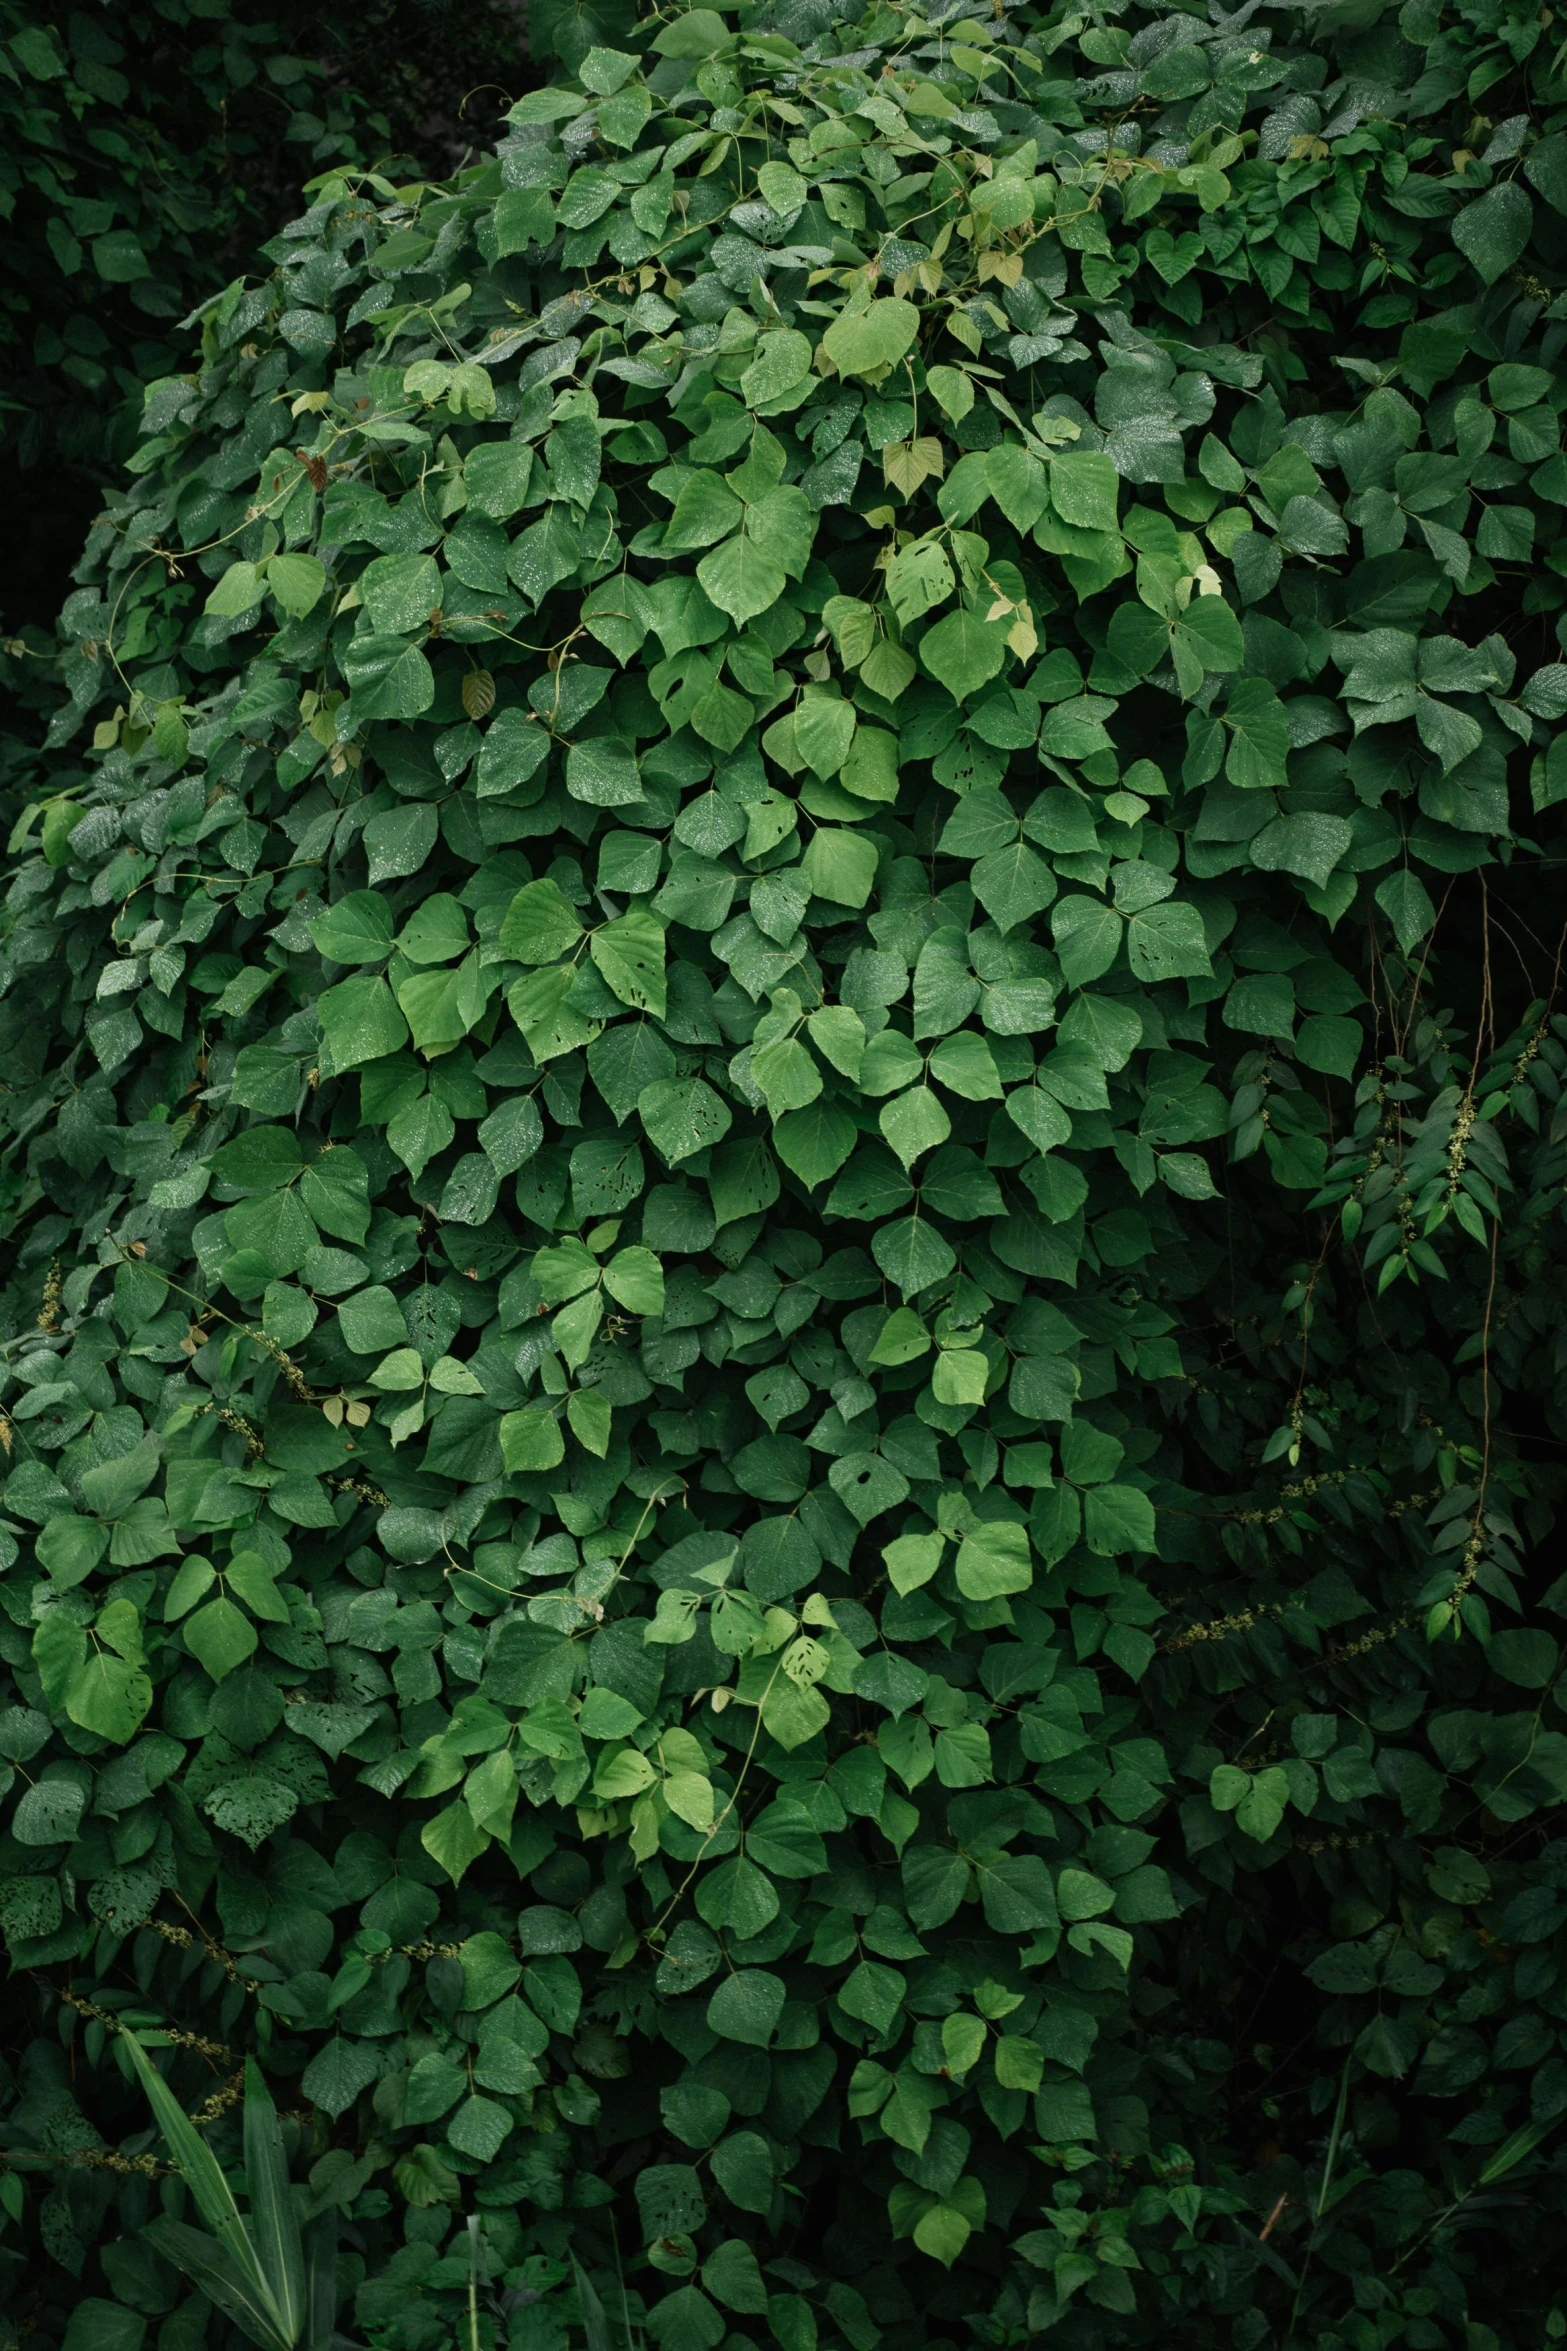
143 152
784 1199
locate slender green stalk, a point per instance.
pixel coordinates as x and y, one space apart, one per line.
1329 2165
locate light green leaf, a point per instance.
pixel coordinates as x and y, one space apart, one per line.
1493 230
239 590
531 1439
964 651
361 1022
355 929
387 677
865 341
840 866
741 579
111 1696
297 581
220 1637
630 953
681 1116
539 926
993 1560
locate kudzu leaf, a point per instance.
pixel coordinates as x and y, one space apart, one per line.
531 1439
682 1116
539 925
964 651
110 1696
994 1559
630 953
220 1637
865 341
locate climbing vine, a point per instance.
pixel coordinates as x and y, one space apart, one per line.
784 1197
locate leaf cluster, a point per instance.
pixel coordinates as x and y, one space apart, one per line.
784 1187
143 154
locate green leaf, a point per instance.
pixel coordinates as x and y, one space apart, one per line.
497 473
214 2200
682 1116
104 2326
862 342
914 1123
387 678
746 2007
698 32
994 1559
1306 842
636 1279
1088 938
964 651
400 840
531 1439
539 925
630 953
110 1696
840 866
1259 735
590 1417
685 2320
603 772
274 2225
824 729
220 1637
1493 230
399 592
1406 902
1167 942
1261 1810
783 360
361 1022
239 590
436 932
297 581
705 511
815 1141
223 2279
335 1191
1085 490
454 1841
419 1131
741 579
551 1026
919 578
1138 638
912 1253
1017 1895
1118 1519
355 929
516 745
731 2274
1331 1044
70 1548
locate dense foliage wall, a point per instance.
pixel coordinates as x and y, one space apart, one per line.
144 153
784 1212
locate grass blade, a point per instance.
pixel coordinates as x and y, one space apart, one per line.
274 2225
321 2283
595 2321
1512 2151
203 2175
1324 2189
1333 2139
202 2172
221 2279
